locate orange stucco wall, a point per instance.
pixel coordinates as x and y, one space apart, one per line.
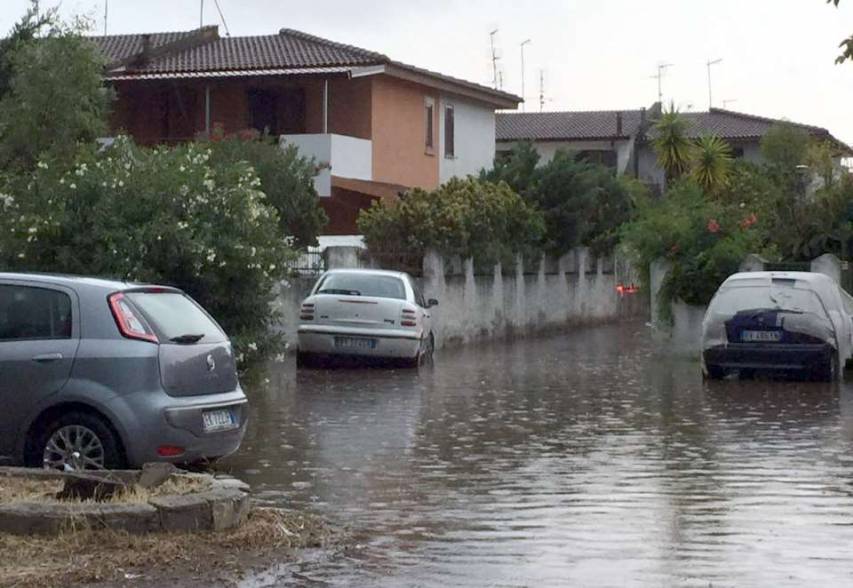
399 154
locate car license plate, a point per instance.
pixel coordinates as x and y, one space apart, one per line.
218 420
761 336
354 343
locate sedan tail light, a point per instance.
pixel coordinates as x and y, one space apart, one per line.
128 321
409 318
307 312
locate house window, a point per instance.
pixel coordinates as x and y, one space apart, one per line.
429 131
449 133
605 158
737 153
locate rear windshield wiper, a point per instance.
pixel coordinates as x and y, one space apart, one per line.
340 292
186 339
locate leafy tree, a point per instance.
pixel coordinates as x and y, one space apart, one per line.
673 149
471 218
846 45
517 168
287 179
33 23
785 146
711 163
56 100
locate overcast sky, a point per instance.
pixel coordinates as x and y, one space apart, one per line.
778 55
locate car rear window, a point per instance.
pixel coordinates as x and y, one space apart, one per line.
174 315
373 285
778 296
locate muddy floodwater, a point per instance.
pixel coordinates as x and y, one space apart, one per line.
586 459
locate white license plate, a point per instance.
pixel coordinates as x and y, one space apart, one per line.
218 420
354 343
761 336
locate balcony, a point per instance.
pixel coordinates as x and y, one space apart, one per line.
335 155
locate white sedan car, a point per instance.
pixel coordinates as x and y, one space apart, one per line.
366 313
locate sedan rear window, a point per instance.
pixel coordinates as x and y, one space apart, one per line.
373 285
776 297
176 317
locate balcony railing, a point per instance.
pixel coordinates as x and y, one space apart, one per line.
335 155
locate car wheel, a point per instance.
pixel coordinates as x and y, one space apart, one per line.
428 352
77 441
829 371
305 360
713 372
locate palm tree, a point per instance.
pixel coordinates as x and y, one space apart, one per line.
671 144
711 164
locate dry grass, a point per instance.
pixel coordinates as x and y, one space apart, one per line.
87 556
15 489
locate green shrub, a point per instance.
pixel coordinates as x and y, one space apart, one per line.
703 239
165 215
470 218
287 179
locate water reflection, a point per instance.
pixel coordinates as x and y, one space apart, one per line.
585 459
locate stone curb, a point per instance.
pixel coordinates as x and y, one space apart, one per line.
224 506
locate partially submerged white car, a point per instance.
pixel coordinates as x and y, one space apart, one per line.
366 313
778 322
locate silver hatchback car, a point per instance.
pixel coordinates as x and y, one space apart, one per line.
102 374
368 314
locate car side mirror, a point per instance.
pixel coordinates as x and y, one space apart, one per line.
432 302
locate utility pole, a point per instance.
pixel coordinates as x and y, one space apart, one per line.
500 80
494 58
526 42
710 95
201 15
106 14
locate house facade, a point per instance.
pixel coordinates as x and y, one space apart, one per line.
376 127
622 139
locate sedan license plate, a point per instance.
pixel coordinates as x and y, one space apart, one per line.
354 343
761 336
218 420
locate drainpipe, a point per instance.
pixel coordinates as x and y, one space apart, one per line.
207 110
325 107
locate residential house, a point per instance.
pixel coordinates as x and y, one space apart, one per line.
375 126
621 139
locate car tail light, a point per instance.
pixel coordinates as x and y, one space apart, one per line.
129 323
409 318
307 312
170 451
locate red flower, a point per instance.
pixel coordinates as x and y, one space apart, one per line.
749 221
713 226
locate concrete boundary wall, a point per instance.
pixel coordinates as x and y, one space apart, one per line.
478 304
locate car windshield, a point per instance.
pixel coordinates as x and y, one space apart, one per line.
353 284
176 318
732 300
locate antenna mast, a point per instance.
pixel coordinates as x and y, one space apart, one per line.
106 14
201 15
659 77
541 90
494 58
710 95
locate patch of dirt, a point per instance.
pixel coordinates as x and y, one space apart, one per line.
14 489
112 558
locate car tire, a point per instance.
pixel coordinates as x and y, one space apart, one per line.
713 372
829 371
305 360
111 453
428 352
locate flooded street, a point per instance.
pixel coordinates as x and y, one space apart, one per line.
585 459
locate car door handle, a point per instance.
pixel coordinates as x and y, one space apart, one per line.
47 357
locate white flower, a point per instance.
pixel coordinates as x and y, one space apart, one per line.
6 200
73 186
252 346
211 256
120 184
209 185
42 165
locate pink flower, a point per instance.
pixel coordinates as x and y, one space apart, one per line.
713 226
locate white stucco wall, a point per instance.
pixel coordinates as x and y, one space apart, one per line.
335 155
548 149
474 130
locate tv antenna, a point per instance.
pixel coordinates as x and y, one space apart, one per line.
662 67
710 95
494 58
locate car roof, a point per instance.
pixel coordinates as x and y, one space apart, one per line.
71 280
368 272
811 277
